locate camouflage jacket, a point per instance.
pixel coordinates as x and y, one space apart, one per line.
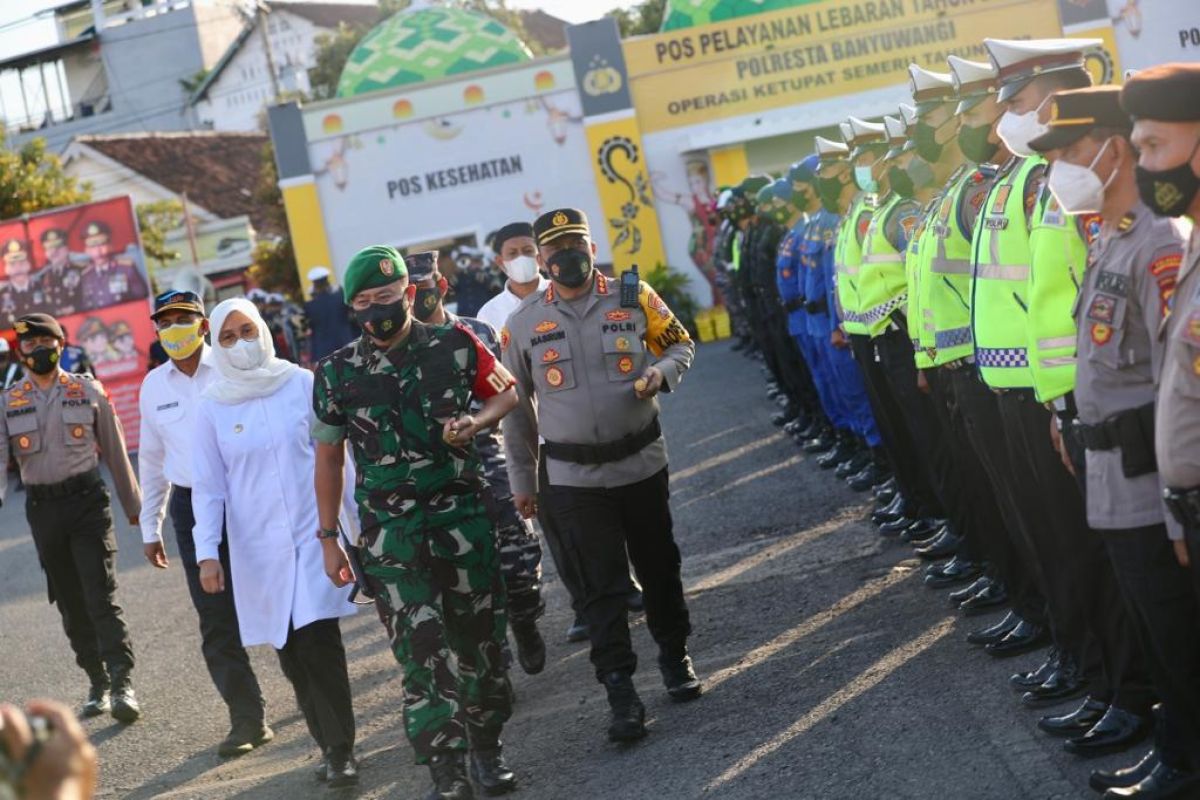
392 407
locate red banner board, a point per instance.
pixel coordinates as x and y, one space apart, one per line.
83 264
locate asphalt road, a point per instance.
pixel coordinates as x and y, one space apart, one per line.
831 671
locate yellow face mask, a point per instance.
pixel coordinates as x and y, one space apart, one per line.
182 340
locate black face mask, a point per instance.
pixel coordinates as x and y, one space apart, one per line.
381 320
426 303
900 182
973 141
42 360
1169 192
829 190
571 267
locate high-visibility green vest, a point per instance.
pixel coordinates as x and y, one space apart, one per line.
737 252
1000 282
847 258
949 269
1059 258
918 286
882 284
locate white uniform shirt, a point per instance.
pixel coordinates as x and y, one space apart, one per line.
495 311
252 469
167 404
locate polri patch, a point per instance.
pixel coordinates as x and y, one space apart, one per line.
1103 309
1112 282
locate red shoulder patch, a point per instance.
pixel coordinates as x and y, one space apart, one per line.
1165 270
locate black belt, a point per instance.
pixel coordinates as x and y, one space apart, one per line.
182 491
605 452
71 486
795 304
1109 434
1184 505
817 306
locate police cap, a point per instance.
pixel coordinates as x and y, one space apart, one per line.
1167 93
1075 113
558 223
96 233
39 324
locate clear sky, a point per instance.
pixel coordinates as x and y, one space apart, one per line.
573 10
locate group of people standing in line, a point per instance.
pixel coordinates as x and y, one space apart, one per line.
385 467
984 309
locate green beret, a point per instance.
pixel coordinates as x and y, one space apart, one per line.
371 268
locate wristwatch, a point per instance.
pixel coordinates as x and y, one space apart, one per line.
326 533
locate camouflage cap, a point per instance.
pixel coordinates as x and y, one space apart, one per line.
372 267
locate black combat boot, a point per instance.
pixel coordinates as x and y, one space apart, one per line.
531 647
450 780
628 722
823 442
843 448
488 769
860 459
125 706
678 676
99 701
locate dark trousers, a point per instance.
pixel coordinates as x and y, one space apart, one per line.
314 661
518 543
77 547
923 427
220 640
798 381
902 451
974 510
597 526
1013 559
566 570
1085 605
1163 614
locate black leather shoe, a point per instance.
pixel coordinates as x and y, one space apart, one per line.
794 427
821 443
491 773
321 771
813 425
99 700
343 768
923 532
886 489
578 632
991 598
244 737
994 633
1118 730
953 572
858 461
678 676
1024 681
839 453
1101 780
1024 638
1063 684
628 721
896 525
870 477
782 418
531 647
1163 781
944 546
635 602
973 589
450 780
893 510
125 707
1077 722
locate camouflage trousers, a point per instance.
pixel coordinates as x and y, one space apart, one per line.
520 547
440 595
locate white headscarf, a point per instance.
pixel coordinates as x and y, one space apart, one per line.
238 385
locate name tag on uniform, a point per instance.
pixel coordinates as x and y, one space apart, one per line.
166 406
996 223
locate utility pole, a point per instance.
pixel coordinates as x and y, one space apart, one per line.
190 225
261 11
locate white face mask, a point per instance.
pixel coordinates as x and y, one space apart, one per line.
1078 189
246 354
522 269
1018 130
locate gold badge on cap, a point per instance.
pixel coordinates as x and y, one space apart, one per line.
387 267
559 219
21 328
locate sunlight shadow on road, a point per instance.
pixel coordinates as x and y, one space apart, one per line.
724 458
717 435
862 683
742 481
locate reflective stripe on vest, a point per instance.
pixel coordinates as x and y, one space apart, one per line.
949 268
1059 259
882 284
920 317
847 256
999 284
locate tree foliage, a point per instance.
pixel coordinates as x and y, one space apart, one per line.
642 19
32 179
274 261
155 221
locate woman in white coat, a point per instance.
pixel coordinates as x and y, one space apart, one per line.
252 467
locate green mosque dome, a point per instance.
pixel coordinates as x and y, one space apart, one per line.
425 44
689 13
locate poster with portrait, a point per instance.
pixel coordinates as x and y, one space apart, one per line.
83 265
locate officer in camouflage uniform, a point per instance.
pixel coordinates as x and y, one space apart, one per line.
401 394
520 549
